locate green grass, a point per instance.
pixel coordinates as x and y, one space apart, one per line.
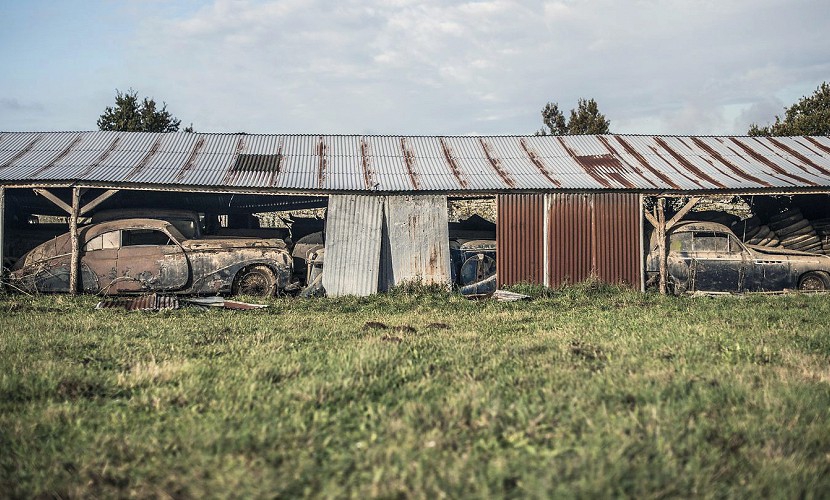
586 391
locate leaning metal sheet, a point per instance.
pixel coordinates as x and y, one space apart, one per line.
353 237
418 239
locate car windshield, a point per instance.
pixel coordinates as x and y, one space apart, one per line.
175 233
187 227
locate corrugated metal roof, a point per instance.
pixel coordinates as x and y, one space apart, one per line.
338 163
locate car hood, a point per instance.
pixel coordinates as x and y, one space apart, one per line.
792 255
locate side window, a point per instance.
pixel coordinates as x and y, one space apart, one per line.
680 242
133 237
111 239
711 242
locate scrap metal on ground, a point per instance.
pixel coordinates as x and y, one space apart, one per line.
156 302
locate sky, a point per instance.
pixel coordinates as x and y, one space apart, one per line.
412 67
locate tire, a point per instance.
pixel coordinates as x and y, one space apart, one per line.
801 227
813 281
790 212
814 248
750 232
258 280
806 244
784 223
797 241
764 242
763 232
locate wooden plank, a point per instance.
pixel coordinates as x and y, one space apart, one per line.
652 219
97 201
682 212
54 199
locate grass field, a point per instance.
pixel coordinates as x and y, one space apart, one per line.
587 391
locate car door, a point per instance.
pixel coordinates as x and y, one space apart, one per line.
100 255
679 260
151 260
717 264
769 273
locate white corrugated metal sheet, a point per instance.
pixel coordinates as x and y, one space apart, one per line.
353 239
418 239
394 164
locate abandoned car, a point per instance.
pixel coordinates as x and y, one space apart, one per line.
142 255
708 257
473 265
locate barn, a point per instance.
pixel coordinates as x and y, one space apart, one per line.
568 207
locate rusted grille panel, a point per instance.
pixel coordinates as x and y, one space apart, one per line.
151 302
519 238
594 235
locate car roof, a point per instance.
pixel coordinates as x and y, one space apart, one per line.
694 225
114 225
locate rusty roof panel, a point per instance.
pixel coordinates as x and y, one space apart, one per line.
407 164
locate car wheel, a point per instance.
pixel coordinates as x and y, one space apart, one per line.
255 280
813 282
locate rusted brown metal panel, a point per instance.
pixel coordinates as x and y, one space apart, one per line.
594 235
617 221
569 238
520 238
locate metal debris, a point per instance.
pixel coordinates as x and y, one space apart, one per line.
223 303
152 302
505 296
155 302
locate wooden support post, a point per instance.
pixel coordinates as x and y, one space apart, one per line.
74 264
2 236
661 241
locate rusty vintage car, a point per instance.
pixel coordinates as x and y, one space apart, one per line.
142 255
708 257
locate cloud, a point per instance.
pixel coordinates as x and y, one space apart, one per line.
449 67
14 105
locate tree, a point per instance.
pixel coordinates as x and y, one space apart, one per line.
585 119
130 114
809 116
